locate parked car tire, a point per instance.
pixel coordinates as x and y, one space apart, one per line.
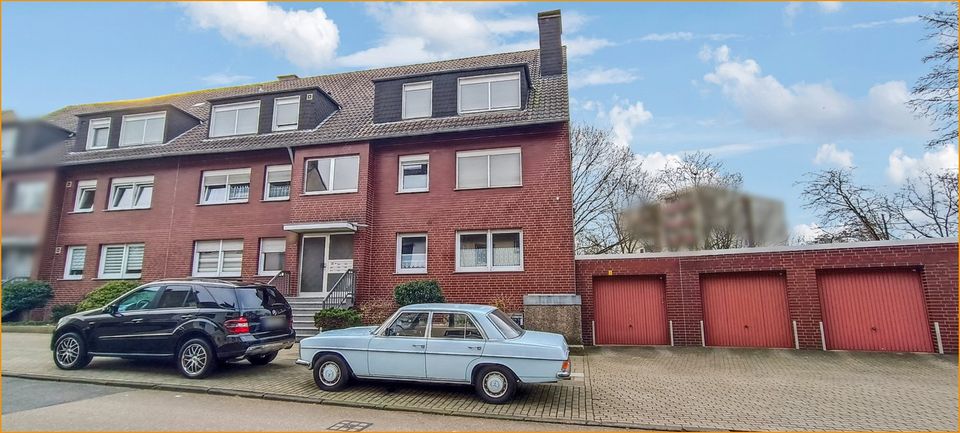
70 352
263 359
496 384
196 358
331 373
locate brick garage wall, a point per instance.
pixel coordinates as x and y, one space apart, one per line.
541 208
169 228
935 260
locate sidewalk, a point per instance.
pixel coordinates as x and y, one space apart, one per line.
639 388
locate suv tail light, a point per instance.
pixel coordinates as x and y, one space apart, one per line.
237 326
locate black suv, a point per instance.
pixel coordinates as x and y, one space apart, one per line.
200 323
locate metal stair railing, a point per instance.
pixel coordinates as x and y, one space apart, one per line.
281 281
342 291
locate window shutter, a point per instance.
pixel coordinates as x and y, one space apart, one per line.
134 259
113 260
77 258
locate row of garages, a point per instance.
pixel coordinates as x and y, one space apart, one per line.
875 300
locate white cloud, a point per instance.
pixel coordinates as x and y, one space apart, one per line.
829 154
790 12
829 7
599 76
673 36
873 24
812 110
584 46
805 233
225 79
719 54
657 161
902 166
624 117
307 38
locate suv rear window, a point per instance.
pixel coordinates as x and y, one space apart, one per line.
225 297
258 297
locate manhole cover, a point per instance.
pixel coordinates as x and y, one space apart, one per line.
350 426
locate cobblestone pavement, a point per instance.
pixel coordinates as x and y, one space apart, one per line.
651 388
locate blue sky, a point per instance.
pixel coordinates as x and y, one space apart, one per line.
774 90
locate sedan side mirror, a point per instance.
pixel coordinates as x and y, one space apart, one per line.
110 309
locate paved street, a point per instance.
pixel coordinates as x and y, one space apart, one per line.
35 405
666 388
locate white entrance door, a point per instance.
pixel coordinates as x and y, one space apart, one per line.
324 258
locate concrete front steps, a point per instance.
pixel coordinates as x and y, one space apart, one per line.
303 310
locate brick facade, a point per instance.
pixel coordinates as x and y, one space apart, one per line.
936 261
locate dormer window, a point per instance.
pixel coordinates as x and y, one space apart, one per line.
139 129
417 100
488 93
98 133
9 142
286 113
242 118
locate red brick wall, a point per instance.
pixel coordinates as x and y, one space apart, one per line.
937 263
173 222
541 208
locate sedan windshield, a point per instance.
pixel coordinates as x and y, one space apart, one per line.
505 324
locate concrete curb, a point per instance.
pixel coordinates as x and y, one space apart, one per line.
300 399
30 329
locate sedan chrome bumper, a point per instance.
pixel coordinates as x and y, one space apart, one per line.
303 363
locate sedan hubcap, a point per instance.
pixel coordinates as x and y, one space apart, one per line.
68 351
329 373
194 359
495 384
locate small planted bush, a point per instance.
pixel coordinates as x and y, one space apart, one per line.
418 292
329 319
60 311
25 295
104 294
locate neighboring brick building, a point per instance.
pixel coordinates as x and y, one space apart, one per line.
455 170
892 295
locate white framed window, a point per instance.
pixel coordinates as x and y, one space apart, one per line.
490 251
75 259
276 186
332 175
273 252
417 100
221 258
122 261
412 253
286 113
98 133
28 196
225 186
414 173
131 193
8 141
138 129
86 192
235 119
493 168
488 93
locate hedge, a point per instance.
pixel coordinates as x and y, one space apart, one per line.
104 294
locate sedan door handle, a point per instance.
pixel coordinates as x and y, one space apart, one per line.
188 316
420 345
135 321
475 347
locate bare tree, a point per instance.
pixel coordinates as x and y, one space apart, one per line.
696 170
935 94
847 211
926 205
606 179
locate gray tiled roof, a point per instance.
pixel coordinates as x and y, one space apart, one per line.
353 122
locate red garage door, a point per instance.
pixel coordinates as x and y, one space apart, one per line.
630 310
746 310
874 310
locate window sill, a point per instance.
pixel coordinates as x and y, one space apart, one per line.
80 212
268 274
275 199
487 271
346 191
126 209
487 187
70 279
116 278
418 191
418 272
221 204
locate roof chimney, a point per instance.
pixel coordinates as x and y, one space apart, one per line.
551 49
287 77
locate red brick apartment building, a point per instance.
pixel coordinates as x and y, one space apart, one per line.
350 183
336 188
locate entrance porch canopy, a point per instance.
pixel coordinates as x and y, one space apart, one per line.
322 227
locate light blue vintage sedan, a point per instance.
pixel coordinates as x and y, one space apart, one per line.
448 343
